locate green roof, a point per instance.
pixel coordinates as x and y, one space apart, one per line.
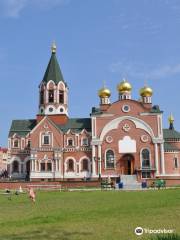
22 127
155 109
76 125
171 134
53 71
170 148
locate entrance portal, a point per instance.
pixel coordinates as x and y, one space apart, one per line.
127 164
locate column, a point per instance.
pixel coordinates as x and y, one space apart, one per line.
99 159
156 158
93 160
162 158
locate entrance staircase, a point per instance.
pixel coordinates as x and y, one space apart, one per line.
130 182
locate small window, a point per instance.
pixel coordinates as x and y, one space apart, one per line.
146 174
42 97
61 110
51 96
84 142
175 162
71 165
50 109
46 139
70 142
49 166
43 167
16 143
85 165
61 96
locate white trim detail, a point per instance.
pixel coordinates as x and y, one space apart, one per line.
115 123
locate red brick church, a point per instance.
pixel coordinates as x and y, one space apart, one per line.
122 138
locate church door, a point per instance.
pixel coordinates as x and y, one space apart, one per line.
127 163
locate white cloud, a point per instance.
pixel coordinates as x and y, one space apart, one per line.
13 8
144 72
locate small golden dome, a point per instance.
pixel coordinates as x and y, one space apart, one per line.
53 47
146 91
171 119
104 93
124 86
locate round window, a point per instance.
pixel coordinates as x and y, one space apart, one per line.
50 109
126 108
61 109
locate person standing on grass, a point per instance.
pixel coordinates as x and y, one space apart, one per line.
32 194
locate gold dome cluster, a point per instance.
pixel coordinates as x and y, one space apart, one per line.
124 87
146 91
104 92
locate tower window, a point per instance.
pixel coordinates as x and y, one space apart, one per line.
16 144
51 96
42 97
61 96
50 109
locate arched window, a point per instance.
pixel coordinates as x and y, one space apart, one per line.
42 97
85 165
16 143
110 159
61 96
175 162
71 165
51 96
15 167
145 155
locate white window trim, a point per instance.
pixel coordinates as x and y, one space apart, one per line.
106 159
83 145
150 163
67 142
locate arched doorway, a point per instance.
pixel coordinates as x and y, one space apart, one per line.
28 168
127 164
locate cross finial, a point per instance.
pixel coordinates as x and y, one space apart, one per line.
53 47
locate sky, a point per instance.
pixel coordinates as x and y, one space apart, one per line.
97 41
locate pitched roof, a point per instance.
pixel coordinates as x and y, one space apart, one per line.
170 148
76 125
22 127
53 71
171 134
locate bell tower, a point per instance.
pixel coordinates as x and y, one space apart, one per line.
53 91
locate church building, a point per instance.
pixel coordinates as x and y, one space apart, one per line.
121 138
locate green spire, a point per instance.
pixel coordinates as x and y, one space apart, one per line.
53 71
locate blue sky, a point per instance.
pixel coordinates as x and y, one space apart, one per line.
97 40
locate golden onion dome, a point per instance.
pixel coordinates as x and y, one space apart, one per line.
146 91
124 86
104 93
171 119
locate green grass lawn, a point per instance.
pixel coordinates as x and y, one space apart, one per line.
94 215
